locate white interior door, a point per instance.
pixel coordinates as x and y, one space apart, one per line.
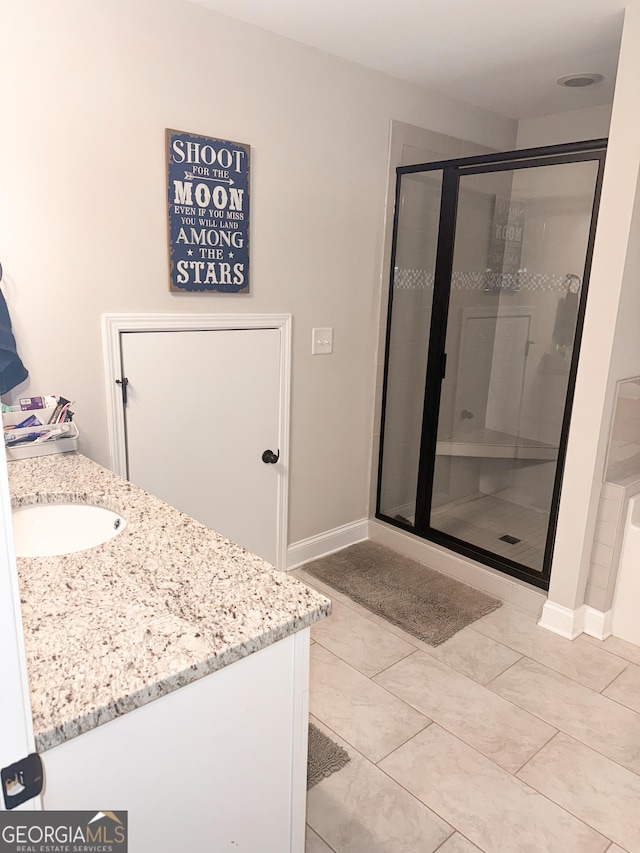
202 407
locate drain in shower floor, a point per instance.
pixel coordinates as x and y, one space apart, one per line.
512 540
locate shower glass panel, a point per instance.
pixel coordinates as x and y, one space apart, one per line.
418 205
490 267
519 254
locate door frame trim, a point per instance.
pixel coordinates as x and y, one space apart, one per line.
113 325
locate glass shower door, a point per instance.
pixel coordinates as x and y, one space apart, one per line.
414 260
490 268
519 253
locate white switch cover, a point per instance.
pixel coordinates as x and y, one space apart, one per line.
321 341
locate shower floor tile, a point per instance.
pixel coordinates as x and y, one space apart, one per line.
483 519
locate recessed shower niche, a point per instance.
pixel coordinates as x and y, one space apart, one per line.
489 272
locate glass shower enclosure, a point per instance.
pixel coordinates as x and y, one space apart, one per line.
490 267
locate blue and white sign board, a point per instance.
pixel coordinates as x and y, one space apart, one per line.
208 206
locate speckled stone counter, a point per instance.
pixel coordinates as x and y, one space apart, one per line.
164 603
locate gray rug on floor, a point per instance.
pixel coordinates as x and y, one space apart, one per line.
325 757
421 601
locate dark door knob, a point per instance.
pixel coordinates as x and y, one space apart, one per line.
466 415
270 458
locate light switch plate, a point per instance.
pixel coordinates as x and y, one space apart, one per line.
322 341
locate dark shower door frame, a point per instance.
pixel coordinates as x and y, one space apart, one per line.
452 171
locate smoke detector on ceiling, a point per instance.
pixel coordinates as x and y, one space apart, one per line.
580 81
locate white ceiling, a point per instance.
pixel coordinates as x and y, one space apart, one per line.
504 55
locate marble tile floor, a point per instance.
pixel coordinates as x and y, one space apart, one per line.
505 738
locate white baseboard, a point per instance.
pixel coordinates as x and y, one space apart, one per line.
562 620
598 623
571 623
326 543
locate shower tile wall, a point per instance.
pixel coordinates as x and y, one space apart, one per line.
556 228
556 233
487 325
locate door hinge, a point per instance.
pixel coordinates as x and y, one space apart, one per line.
22 781
123 385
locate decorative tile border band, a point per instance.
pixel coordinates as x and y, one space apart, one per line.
407 279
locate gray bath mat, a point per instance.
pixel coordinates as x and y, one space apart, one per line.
421 601
325 757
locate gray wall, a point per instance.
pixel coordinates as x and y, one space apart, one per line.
93 86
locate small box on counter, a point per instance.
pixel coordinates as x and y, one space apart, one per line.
39 433
27 404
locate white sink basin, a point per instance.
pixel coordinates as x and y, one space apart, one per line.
47 530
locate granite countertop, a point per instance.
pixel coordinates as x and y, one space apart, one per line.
164 603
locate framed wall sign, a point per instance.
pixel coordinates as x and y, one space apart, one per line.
208 213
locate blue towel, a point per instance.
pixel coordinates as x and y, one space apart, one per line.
12 370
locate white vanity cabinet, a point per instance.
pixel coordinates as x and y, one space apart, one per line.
218 765
168 673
